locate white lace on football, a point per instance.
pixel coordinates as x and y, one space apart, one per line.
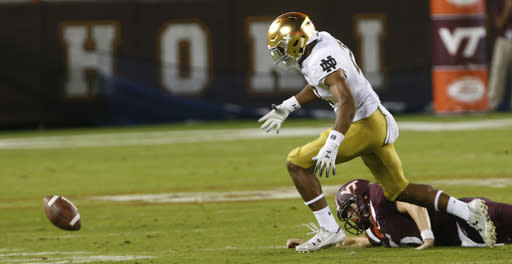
69 202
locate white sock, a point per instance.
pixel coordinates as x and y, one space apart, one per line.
326 219
458 208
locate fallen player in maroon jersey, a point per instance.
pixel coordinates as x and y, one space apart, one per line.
362 207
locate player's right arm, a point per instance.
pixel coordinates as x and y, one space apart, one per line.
276 117
350 242
422 220
306 95
355 242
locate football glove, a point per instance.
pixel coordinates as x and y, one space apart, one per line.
326 157
276 117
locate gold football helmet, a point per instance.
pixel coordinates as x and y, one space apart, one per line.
287 37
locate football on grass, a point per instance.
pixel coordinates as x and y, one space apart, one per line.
62 212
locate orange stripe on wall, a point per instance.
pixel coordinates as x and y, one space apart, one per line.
457 7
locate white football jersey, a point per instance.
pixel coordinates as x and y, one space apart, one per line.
329 55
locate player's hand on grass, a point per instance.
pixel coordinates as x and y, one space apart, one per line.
326 157
293 242
427 243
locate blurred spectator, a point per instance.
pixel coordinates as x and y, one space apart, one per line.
501 20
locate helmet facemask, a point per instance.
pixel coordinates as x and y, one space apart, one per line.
282 58
287 38
354 214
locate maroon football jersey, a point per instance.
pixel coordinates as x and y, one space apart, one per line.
390 228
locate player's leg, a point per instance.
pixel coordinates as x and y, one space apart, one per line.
300 166
362 136
309 187
498 74
475 212
509 69
386 166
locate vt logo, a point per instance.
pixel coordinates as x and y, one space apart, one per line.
470 36
328 64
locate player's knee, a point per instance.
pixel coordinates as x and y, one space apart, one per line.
415 188
291 167
398 190
294 169
420 194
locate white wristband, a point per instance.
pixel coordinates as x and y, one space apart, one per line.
335 137
427 234
291 104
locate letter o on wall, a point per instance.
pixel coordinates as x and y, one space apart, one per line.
196 40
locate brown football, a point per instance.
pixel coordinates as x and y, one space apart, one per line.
62 212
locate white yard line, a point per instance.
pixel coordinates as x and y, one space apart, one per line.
273 194
497 183
58 257
211 135
241 248
454 126
146 138
201 197
19 252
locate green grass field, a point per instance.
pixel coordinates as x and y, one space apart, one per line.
224 159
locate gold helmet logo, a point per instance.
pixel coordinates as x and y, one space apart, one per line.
287 37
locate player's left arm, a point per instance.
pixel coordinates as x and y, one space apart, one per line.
422 220
340 90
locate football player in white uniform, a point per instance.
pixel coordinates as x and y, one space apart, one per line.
362 128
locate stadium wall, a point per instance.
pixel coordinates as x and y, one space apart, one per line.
124 62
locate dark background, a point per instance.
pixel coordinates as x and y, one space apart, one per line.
32 62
